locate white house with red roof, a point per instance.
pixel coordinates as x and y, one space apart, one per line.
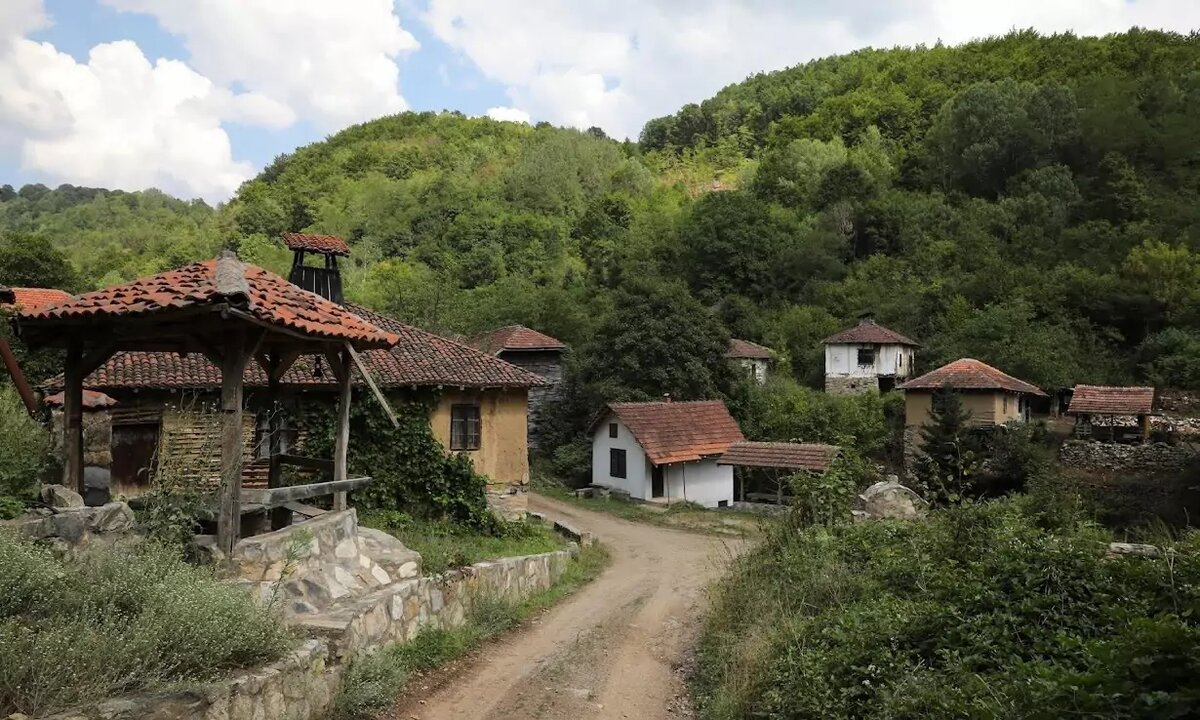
867 357
666 451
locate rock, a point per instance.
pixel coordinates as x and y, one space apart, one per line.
389 553
61 496
890 499
1119 549
113 517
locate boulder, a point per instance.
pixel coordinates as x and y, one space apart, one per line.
890 499
61 496
389 553
113 517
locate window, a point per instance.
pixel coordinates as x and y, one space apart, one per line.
616 463
464 427
1005 404
866 356
612 430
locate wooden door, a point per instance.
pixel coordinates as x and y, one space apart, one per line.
656 481
133 450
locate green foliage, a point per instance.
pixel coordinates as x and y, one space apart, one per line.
445 545
117 621
978 612
25 457
951 451
827 498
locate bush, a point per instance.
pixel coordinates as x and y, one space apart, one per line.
446 545
978 612
24 453
116 621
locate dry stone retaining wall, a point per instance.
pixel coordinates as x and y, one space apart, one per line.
1120 457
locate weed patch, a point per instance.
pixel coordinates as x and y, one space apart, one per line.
445 545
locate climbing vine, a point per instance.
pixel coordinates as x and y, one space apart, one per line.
412 471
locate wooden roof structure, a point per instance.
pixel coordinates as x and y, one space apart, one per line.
784 455
1109 400
227 311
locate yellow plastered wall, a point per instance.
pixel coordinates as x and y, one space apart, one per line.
503 454
986 408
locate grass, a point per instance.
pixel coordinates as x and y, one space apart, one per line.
445 545
374 681
115 621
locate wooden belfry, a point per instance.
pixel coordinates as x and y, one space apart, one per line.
231 313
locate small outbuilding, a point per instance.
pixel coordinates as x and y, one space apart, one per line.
665 451
991 396
1114 413
867 357
751 358
534 352
766 465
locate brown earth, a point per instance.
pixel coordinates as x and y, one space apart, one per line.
613 650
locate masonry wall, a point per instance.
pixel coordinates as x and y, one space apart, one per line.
549 366
704 482
637 470
986 408
503 454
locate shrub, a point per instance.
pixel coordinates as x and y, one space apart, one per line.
977 612
24 452
116 621
827 498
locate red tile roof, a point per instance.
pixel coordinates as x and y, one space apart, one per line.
328 244
868 332
92 400
226 281
31 298
970 374
744 349
1106 400
418 358
791 456
672 432
514 337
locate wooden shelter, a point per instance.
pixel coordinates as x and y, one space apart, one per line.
231 313
1125 411
777 461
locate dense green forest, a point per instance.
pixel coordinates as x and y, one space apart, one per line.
1027 200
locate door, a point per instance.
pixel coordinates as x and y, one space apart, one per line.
656 481
133 449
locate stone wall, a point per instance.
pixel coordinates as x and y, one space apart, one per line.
847 385
1152 458
549 365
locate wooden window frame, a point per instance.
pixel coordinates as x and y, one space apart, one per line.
615 454
466 427
870 351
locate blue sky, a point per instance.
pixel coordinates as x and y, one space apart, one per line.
196 96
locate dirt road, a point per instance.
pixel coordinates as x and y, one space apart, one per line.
610 651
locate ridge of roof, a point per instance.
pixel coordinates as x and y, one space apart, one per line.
869 332
970 374
514 337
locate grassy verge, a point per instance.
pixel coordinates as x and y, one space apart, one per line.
116 621
373 682
446 545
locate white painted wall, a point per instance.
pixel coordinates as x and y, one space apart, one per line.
704 482
842 359
637 470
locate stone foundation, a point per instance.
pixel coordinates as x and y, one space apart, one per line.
508 501
1154 458
847 385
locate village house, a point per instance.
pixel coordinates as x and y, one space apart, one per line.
867 357
1112 413
665 451
536 352
991 396
751 358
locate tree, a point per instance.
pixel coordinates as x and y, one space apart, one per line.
950 453
28 261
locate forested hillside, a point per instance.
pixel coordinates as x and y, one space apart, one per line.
1030 201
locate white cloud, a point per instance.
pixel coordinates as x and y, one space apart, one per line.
332 62
619 63
508 114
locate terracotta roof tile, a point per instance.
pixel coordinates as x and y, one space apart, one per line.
92 400
744 349
791 456
970 374
1106 400
260 293
328 244
514 337
31 298
672 432
869 332
418 358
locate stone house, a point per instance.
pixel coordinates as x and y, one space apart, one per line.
991 396
536 352
665 452
751 358
867 357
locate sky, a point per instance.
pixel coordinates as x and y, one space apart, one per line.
195 96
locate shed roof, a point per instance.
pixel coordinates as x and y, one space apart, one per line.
92 400
251 290
1108 400
327 244
790 456
672 432
868 332
970 374
31 298
514 337
746 350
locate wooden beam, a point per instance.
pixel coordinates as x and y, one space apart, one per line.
73 418
18 378
280 517
335 363
97 357
232 371
362 370
342 446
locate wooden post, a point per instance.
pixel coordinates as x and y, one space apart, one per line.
233 366
73 418
343 430
280 517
